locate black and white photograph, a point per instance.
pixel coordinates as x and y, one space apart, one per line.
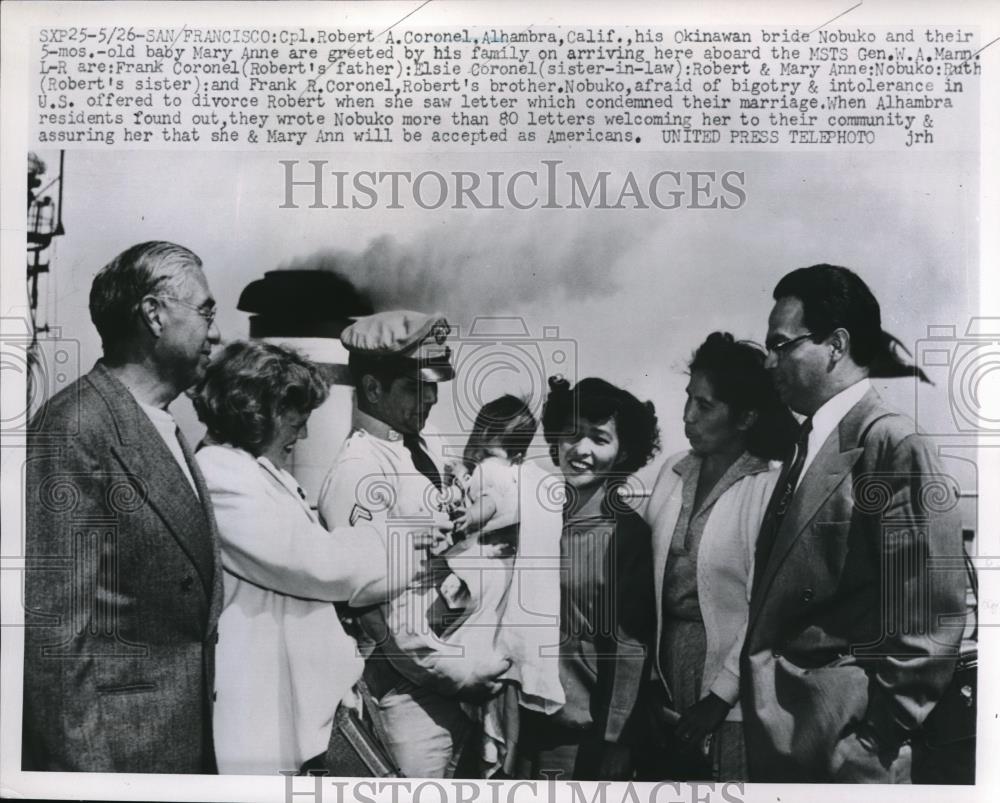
483 401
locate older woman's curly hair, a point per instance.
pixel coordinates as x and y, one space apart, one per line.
248 385
597 400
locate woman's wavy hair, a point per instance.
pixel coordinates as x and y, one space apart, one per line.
248 385
735 370
598 401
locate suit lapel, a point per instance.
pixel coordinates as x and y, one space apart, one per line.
833 463
142 453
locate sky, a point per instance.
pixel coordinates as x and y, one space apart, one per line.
632 292
626 294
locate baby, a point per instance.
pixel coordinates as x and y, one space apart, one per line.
505 572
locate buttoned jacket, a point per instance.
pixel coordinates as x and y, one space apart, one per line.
123 591
856 617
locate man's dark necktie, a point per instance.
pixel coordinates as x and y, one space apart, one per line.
781 500
449 608
422 460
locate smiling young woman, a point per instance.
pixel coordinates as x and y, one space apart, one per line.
598 435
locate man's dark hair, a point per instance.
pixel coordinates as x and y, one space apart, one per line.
386 371
834 297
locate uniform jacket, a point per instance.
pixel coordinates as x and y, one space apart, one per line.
374 484
849 642
123 592
725 564
284 662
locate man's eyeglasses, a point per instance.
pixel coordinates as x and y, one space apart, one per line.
783 347
208 313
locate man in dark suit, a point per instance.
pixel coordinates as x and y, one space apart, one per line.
123 584
852 632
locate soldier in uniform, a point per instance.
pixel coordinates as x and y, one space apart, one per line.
388 476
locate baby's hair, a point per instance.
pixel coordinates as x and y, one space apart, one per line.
507 421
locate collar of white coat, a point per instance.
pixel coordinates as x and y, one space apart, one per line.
287 481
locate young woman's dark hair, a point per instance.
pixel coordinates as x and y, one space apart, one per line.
735 370
597 400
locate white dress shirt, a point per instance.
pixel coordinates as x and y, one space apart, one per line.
164 423
826 419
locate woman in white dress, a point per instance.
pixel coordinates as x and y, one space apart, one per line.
284 663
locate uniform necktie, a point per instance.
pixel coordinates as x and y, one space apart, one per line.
781 499
422 461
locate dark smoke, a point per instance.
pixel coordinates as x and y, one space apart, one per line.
468 271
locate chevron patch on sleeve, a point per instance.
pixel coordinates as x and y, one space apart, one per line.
359 513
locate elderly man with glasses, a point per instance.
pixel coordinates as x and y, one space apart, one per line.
123 581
